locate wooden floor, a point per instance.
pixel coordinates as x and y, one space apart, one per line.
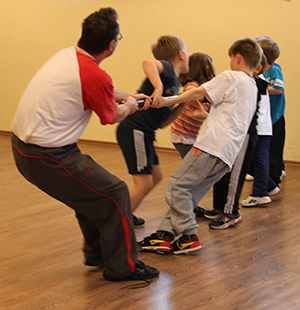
255 266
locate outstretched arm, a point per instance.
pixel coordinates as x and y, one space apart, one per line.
129 104
192 94
121 96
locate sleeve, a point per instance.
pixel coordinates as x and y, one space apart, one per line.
97 89
102 101
276 79
217 88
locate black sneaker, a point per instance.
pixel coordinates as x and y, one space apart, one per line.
138 221
142 272
212 214
200 212
225 221
98 263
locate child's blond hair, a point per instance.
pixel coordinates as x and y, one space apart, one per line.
167 47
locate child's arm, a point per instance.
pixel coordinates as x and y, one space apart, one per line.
275 91
200 113
173 115
192 94
153 69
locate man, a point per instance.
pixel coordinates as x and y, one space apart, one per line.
53 112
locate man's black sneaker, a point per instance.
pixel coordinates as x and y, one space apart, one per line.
212 214
225 221
89 263
138 221
142 272
200 212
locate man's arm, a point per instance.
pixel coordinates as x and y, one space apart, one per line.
123 110
121 96
129 106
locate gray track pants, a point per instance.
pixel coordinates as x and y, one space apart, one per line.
188 184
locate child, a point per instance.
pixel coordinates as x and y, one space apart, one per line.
227 191
233 97
274 77
259 167
185 128
136 133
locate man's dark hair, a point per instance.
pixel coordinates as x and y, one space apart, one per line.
98 29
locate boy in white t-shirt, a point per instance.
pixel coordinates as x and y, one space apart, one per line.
233 98
227 191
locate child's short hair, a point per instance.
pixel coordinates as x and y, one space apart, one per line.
263 63
167 47
201 69
270 48
249 49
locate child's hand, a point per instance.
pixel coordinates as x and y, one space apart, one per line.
146 104
144 101
156 98
200 113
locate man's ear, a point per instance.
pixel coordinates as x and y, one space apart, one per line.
112 46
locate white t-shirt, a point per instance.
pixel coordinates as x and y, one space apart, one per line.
233 95
59 100
264 121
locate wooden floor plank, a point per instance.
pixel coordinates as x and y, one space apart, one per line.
253 266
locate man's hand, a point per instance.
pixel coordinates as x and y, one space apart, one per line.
129 106
132 105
